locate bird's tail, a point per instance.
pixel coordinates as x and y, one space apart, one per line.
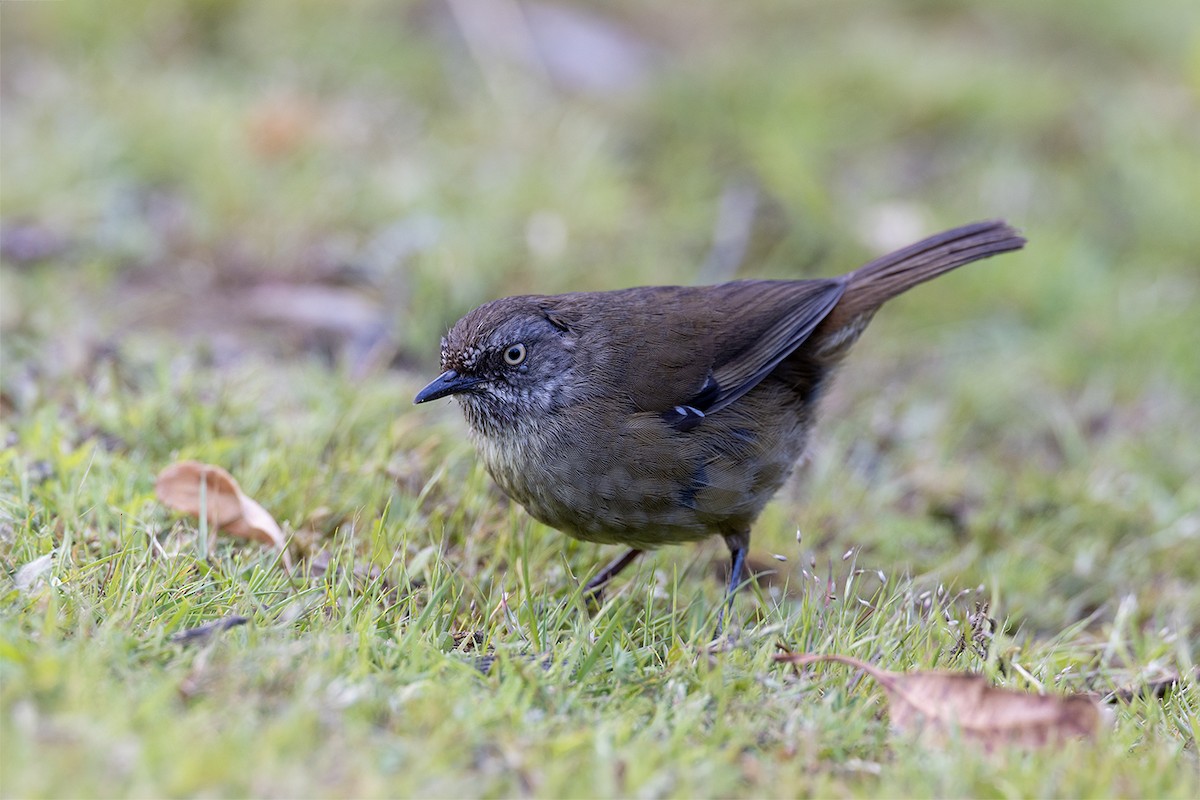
871 285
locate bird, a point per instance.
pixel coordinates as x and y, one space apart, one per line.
662 415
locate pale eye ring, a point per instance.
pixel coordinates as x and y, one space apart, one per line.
514 354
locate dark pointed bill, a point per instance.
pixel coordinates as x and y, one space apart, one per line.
448 383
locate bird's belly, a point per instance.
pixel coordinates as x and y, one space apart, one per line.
598 499
647 484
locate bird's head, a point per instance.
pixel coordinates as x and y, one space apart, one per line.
507 360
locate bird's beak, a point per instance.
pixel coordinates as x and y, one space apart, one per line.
448 383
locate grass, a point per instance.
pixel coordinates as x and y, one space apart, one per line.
1020 434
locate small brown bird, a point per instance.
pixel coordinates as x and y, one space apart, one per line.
667 414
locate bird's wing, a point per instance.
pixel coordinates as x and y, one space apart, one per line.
775 318
690 351
687 352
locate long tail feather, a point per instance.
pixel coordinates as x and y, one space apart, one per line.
870 286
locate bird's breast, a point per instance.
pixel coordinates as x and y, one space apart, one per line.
633 479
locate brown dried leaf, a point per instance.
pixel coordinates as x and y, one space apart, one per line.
179 486
227 508
940 705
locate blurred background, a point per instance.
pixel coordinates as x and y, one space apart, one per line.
186 168
228 185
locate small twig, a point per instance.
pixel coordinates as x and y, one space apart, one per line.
203 632
1150 690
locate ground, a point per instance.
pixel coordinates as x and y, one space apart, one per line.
235 231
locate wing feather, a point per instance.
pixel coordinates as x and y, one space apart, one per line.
685 352
803 310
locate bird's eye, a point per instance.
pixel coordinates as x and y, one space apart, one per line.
514 354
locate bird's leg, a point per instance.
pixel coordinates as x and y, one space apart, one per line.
739 544
594 589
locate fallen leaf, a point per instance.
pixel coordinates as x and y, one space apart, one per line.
226 507
941 705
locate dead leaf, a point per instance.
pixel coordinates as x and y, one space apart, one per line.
227 508
941 705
